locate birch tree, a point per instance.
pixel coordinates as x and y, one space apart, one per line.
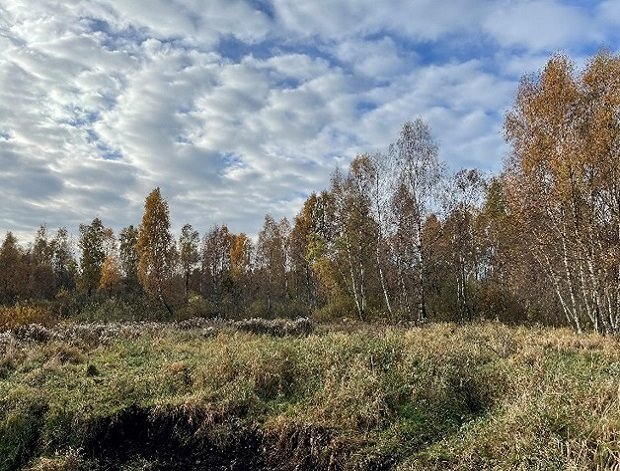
216 262
13 274
463 205
155 247
189 241
563 183
418 174
129 258
92 246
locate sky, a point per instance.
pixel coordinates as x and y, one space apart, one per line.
239 108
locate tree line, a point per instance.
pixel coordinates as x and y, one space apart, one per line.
393 237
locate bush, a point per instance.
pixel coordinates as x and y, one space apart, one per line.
289 310
114 309
20 314
278 310
258 309
196 306
338 309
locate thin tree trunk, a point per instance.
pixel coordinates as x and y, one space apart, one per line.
160 295
383 286
358 305
421 309
378 247
404 292
362 272
569 276
571 316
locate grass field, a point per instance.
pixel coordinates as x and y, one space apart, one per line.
347 396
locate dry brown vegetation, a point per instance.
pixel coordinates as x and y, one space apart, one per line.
342 397
13 316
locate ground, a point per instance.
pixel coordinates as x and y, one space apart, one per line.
216 395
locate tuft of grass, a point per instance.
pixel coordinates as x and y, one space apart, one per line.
72 460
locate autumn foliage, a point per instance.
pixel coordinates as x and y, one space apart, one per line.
19 314
563 184
155 247
393 237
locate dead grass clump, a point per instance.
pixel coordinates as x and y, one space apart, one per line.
276 373
354 397
11 356
291 445
276 327
62 354
33 333
251 369
180 373
71 460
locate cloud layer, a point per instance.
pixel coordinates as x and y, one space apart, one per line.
240 108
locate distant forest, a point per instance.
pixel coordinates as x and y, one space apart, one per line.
394 238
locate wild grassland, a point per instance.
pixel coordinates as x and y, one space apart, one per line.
340 397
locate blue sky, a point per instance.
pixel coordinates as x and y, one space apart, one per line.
238 108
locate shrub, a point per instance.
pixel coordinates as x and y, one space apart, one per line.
258 309
196 306
114 309
278 310
21 314
337 309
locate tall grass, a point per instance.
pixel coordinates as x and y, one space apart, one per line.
363 397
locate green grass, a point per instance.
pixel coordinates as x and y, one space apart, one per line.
365 397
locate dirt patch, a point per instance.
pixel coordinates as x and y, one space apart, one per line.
173 440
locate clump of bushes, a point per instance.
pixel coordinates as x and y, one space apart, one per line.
87 334
196 307
23 314
198 323
116 309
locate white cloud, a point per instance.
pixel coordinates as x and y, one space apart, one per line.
420 20
541 25
101 100
377 59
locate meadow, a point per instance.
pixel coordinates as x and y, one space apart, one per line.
285 395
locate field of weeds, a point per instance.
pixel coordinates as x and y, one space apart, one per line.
280 395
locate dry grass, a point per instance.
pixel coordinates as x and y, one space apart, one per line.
360 397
